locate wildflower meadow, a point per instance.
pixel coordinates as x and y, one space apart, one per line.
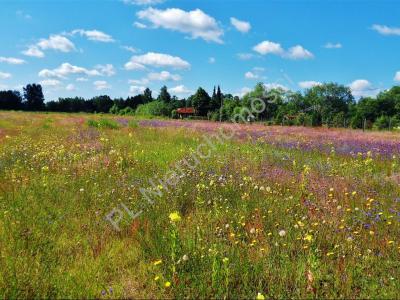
272 212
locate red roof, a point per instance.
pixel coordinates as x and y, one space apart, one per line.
185 110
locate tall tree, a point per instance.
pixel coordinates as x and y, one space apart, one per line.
201 101
147 97
164 96
34 98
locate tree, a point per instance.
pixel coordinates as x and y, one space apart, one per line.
164 96
201 101
10 100
34 98
147 97
102 103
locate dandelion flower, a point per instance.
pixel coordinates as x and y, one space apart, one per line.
260 296
282 233
175 217
167 284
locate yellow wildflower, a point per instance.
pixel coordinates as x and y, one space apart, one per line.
175 217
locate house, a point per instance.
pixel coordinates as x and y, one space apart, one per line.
185 112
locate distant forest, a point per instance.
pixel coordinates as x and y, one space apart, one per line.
328 104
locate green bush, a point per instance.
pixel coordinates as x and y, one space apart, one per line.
382 123
154 108
103 123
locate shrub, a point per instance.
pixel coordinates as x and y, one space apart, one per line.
154 108
382 123
103 123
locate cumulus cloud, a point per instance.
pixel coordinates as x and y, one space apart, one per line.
106 70
33 51
363 88
241 26
158 60
386 30
180 90
333 45
397 76
55 42
195 22
82 79
250 75
268 47
143 2
163 76
296 52
12 60
66 69
308 84
5 75
135 89
94 35
100 85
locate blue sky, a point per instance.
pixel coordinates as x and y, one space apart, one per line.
119 47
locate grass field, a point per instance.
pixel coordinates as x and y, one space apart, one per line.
275 212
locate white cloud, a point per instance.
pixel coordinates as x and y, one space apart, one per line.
211 60
56 42
156 60
386 30
106 70
100 85
195 22
251 75
333 45
66 69
3 86
180 90
397 76
82 79
363 88
308 84
5 75
139 25
130 49
298 52
143 2
163 76
70 87
33 51
50 83
12 60
134 89
268 47
241 26
94 35
255 74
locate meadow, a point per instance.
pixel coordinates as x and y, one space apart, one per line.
274 212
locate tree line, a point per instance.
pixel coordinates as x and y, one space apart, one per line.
328 104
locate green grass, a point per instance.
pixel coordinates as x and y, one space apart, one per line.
60 175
